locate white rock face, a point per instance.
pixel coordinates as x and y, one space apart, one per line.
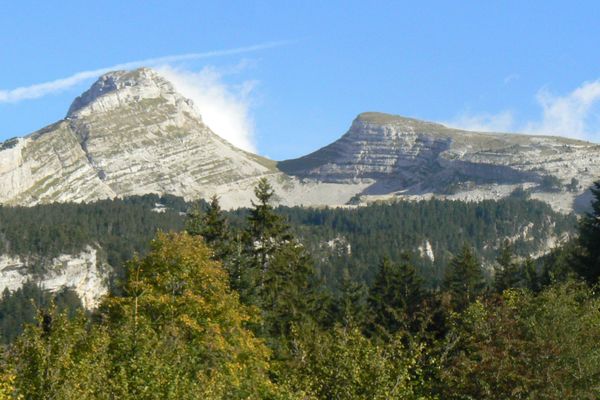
132 133
426 251
48 165
84 273
407 158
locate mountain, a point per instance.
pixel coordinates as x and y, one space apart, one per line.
407 158
132 133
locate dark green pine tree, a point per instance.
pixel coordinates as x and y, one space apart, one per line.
278 274
507 272
464 279
351 308
587 264
531 277
266 230
194 220
395 298
215 224
213 227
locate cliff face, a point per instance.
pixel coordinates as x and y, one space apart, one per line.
85 273
130 133
141 137
406 158
47 166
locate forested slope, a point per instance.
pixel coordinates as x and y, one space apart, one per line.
354 239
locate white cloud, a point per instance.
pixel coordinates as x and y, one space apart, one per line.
224 108
43 89
570 115
484 122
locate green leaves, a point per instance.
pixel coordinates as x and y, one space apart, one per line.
525 346
344 364
178 332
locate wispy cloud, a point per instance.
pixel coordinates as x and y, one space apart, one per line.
570 115
43 89
574 114
225 108
483 122
511 78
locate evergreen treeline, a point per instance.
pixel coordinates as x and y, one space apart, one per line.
223 312
23 305
121 227
345 246
393 230
341 241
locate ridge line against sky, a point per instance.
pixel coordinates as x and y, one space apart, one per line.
503 66
38 90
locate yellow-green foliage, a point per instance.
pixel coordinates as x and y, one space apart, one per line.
62 359
177 333
344 364
7 386
183 328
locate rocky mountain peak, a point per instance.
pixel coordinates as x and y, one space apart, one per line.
407 157
378 123
118 88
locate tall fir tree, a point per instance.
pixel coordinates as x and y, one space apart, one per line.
277 273
531 277
213 227
394 298
507 271
350 308
587 264
194 219
464 279
215 230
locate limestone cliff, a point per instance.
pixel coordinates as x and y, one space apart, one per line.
130 133
408 158
86 273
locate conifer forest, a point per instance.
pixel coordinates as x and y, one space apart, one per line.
291 303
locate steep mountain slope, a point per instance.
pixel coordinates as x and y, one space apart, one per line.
130 133
412 158
49 165
141 136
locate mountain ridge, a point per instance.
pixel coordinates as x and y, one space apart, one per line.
132 133
406 157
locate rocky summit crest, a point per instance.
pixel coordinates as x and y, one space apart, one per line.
117 88
402 157
132 133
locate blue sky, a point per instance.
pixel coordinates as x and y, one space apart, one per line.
501 66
